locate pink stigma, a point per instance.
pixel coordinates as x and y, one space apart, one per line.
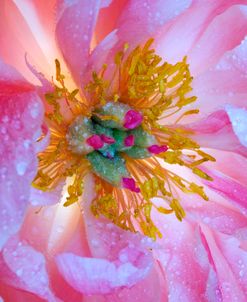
132 119
95 141
107 139
129 183
129 140
155 149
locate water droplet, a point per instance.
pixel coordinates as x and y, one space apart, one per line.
19 272
21 168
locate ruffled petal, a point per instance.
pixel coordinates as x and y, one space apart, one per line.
223 34
183 258
100 276
229 188
11 81
177 40
74 32
119 260
238 118
230 285
21 114
17 38
140 20
216 131
27 269
108 18
218 87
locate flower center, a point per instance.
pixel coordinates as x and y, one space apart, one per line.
113 130
119 134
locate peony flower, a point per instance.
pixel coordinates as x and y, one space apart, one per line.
123 144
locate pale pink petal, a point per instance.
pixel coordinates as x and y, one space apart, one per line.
120 258
228 187
11 81
218 213
215 88
51 230
152 288
216 131
145 18
40 198
21 114
233 160
183 258
74 32
238 118
40 17
124 267
223 34
174 42
235 59
28 268
225 83
108 18
229 284
235 255
16 39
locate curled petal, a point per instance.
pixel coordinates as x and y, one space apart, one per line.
27 267
216 131
74 32
230 287
100 276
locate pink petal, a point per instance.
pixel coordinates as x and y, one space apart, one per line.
28 267
233 161
153 288
101 276
11 81
223 34
74 32
216 131
228 188
217 87
183 259
21 115
145 18
40 198
175 41
108 17
120 258
219 213
229 285
17 39
238 118
12 294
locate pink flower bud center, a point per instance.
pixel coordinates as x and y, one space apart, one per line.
155 149
129 183
129 140
107 139
95 141
132 119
